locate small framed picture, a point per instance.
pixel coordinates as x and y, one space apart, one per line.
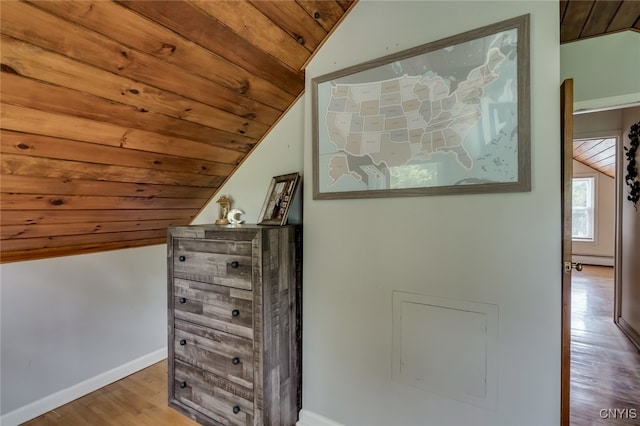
279 197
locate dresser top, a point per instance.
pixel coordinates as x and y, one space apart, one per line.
212 230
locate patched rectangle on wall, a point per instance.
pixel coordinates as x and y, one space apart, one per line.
446 346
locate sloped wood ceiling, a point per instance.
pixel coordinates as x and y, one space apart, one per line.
122 118
581 19
599 154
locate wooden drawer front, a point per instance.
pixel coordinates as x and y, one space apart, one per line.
220 262
212 396
226 355
223 308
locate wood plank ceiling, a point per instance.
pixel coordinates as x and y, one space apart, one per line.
122 118
599 154
580 19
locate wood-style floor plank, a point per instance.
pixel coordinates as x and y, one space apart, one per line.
136 400
605 365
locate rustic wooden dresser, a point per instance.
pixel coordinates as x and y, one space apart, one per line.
234 296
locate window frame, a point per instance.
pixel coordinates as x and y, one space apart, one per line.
593 209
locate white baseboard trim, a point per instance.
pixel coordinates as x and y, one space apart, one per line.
593 260
309 418
55 400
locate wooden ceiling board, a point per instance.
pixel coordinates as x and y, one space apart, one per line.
29 120
563 8
65 149
599 154
627 16
62 241
91 202
66 186
192 23
258 30
607 167
115 21
602 153
295 20
588 148
345 4
574 20
600 17
595 148
75 248
48 216
605 162
581 19
326 13
41 231
23 165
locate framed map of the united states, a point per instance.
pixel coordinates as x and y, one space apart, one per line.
447 117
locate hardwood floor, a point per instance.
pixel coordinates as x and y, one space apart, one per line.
136 400
605 365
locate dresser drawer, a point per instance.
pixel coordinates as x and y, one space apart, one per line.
226 355
221 262
223 308
212 396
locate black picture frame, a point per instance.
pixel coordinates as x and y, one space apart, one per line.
278 200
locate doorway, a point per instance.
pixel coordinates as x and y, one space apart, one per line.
605 364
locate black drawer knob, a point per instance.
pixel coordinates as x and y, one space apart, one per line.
236 409
182 258
183 300
183 385
235 313
183 342
235 264
235 361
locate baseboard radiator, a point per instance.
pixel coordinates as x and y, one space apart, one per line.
593 260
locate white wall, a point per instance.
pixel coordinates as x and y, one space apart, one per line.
597 124
608 79
280 152
67 321
501 249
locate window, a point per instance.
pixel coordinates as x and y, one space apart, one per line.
583 212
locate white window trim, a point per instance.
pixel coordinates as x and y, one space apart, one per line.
593 241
